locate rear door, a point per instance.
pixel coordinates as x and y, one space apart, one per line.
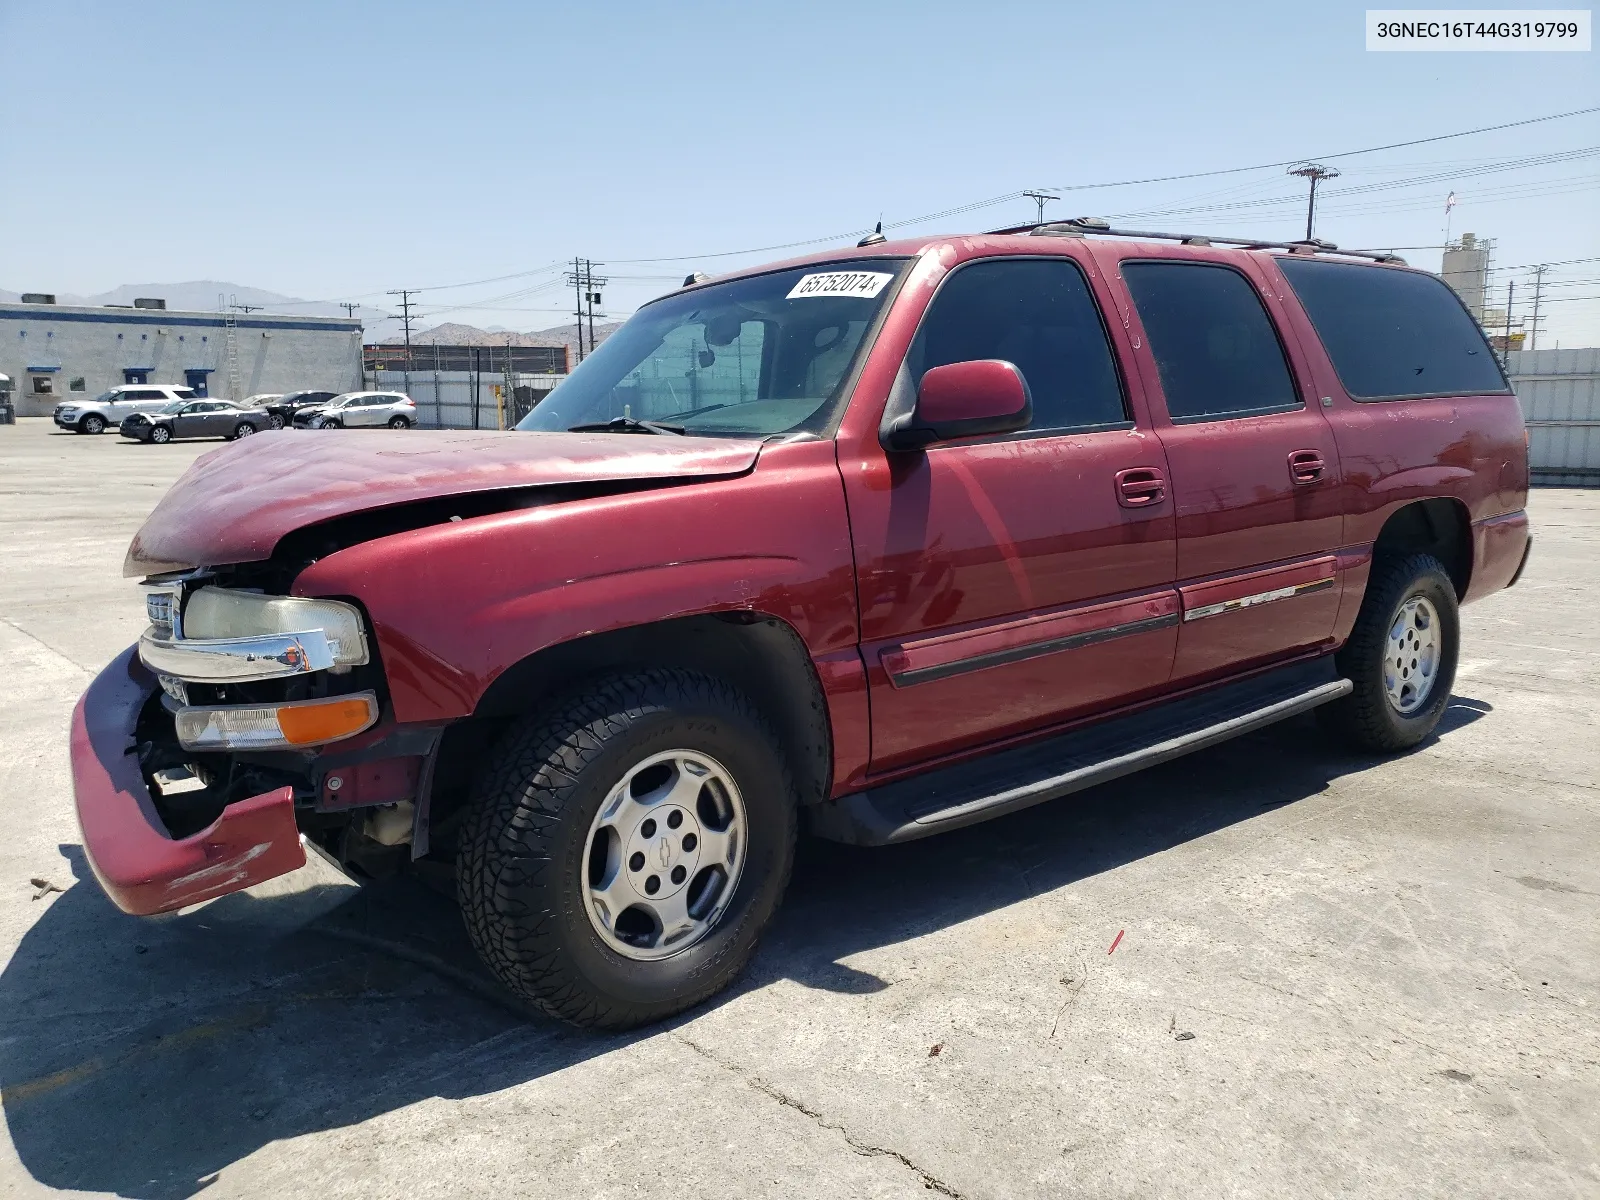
1255 468
1009 583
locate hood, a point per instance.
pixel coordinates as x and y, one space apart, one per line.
234 504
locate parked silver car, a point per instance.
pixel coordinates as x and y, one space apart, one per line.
109 408
195 419
360 410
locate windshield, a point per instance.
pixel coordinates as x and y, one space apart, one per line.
752 357
341 401
170 407
106 398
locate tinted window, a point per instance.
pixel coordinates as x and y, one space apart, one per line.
1212 341
1038 314
1393 333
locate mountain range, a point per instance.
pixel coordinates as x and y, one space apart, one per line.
209 295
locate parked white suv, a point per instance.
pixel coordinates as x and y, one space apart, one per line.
360 409
108 408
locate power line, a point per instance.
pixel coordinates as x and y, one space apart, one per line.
1443 137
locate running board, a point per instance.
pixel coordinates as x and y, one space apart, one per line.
1003 782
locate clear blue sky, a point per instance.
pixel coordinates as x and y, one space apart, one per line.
335 150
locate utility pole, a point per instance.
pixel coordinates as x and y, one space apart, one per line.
586 287
1041 199
1315 172
349 309
1538 288
405 295
245 308
1511 292
575 277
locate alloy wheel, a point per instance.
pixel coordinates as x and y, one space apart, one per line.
664 855
1411 655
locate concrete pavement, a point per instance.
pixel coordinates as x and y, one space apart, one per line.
1390 969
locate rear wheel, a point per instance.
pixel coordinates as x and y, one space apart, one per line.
399 423
161 435
92 424
1401 656
243 429
625 849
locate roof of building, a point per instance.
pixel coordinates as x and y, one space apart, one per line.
48 313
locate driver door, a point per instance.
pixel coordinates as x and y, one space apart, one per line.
1012 582
190 420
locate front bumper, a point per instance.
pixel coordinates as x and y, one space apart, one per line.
141 868
137 432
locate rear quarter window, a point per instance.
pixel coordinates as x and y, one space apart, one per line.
1393 334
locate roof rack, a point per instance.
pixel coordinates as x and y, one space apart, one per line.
1080 226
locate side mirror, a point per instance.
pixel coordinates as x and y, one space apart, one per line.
964 399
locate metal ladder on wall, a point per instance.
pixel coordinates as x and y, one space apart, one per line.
230 321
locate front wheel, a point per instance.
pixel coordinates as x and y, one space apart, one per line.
330 423
1401 656
92 424
161 435
275 420
399 423
625 849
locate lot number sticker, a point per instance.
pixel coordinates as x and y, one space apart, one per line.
865 284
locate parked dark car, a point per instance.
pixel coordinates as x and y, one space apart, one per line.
877 544
195 419
281 411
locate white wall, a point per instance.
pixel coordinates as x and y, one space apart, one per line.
275 353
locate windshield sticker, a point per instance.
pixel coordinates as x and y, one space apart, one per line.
865 284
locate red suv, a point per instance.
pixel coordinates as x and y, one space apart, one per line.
879 543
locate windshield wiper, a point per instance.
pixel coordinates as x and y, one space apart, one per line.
626 425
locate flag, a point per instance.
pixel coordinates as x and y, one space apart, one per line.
1449 202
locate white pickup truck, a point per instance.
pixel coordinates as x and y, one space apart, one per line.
108 408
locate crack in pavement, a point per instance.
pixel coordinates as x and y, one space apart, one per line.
929 1180
33 637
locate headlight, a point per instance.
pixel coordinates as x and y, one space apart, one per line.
214 612
276 726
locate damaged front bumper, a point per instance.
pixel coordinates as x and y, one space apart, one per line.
141 867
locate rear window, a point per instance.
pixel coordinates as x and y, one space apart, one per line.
1393 335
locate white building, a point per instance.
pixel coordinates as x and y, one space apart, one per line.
55 352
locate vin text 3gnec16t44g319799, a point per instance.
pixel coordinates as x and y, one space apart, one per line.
876 543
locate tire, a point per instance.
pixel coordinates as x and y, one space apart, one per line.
92 424
1370 718
161 435
241 430
399 423
274 420
526 858
330 423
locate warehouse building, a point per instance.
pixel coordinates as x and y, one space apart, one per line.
55 352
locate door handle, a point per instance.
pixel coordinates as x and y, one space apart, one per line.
1140 487
1307 466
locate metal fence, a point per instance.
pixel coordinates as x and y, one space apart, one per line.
1560 395
466 399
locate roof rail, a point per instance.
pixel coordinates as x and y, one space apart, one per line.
1080 226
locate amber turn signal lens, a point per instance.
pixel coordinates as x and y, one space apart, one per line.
327 720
